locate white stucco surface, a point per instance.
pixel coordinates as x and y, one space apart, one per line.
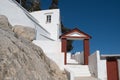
71 60
54 27
49 46
93 66
52 49
102 70
79 57
97 66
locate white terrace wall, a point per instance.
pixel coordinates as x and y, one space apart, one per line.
93 64
102 70
119 68
97 66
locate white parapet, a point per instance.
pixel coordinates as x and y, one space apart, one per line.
93 64
97 66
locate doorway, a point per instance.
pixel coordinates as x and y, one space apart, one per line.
112 69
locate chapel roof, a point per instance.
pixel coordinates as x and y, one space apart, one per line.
75 33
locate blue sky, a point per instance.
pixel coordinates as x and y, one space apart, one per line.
98 18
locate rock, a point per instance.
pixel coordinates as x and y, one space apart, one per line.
4 23
54 71
26 32
22 60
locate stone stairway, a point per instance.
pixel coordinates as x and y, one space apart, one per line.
76 71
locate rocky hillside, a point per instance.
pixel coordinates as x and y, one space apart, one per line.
22 60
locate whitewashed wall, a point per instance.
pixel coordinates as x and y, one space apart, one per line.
93 64
49 46
119 68
79 57
102 70
54 28
97 66
82 57
52 49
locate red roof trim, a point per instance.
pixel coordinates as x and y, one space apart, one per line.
75 30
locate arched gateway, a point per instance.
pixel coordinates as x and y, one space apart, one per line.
76 34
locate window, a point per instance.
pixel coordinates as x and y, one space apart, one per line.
48 19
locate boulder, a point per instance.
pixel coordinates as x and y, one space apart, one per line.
26 32
4 23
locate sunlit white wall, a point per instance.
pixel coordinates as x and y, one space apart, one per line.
54 27
97 66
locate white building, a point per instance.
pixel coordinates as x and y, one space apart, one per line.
50 20
49 38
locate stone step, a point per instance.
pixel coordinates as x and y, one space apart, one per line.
85 78
78 67
77 71
82 74
82 70
71 61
